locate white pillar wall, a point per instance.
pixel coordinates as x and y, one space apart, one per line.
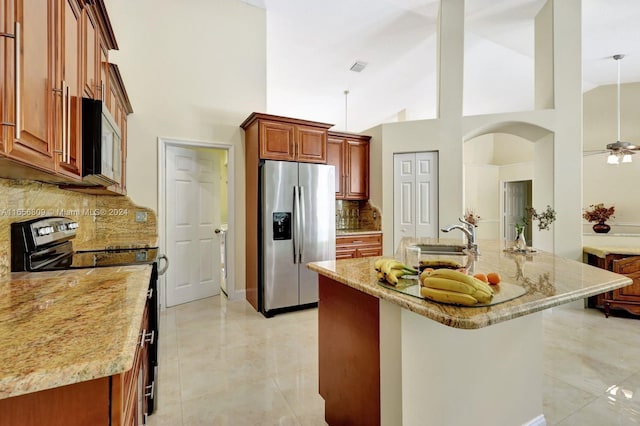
558 183
567 70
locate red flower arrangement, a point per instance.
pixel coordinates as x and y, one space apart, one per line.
598 213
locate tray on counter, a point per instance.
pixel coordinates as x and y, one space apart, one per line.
502 292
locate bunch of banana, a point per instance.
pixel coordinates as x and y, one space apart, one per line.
439 263
450 286
390 270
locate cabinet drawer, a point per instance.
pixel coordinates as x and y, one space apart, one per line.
342 253
351 246
359 239
369 251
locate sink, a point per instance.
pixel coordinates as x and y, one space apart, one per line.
441 249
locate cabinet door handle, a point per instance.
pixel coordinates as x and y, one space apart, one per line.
68 124
64 121
150 337
147 337
150 388
17 46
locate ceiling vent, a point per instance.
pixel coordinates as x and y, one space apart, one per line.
358 66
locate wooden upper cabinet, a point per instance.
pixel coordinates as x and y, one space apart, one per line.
29 72
349 153
51 51
68 88
120 109
5 15
288 139
311 144
91 83
335 158
276 140
41 113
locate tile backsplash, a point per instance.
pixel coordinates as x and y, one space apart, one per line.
357 215
102 220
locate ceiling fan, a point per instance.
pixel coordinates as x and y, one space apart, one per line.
619 152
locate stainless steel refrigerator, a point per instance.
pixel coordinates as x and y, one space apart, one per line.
297 227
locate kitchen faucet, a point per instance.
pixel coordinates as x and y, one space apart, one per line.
469 230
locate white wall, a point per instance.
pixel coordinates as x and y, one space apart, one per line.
194 71
482 195
562 180
604 183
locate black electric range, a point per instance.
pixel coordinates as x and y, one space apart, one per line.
45 244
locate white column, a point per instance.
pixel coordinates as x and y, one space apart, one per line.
492 375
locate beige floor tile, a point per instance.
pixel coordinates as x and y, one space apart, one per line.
222 363
259 403
560 399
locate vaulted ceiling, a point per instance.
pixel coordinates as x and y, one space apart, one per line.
312 44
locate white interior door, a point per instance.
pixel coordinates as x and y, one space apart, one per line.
192 214
415 188
426 194
517 196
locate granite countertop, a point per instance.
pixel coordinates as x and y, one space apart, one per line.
340 232
64 327
603 251
549 280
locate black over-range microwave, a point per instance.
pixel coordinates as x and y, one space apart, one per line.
101 145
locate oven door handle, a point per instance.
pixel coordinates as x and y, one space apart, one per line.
166 265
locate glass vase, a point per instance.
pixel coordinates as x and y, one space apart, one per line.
520 242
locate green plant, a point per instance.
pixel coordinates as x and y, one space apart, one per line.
545 218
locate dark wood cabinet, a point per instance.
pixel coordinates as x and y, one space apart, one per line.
349 153
108 86
28 86
626 298
54 53
91 83
358 245
67 88
287 139
348 354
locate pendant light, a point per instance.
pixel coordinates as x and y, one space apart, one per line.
346 93
619 151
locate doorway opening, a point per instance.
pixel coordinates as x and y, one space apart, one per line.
195 197
517 196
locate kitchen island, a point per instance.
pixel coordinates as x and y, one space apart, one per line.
68 341
389 358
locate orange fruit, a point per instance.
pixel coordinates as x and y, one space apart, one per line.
481 277
493 278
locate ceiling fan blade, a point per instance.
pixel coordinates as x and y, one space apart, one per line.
594 152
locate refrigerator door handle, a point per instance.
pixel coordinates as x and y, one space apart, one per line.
303 223
294 240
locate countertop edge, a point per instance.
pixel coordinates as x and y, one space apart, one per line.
432 310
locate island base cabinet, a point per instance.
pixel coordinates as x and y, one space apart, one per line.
349 356
80 404
490 376
381 364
